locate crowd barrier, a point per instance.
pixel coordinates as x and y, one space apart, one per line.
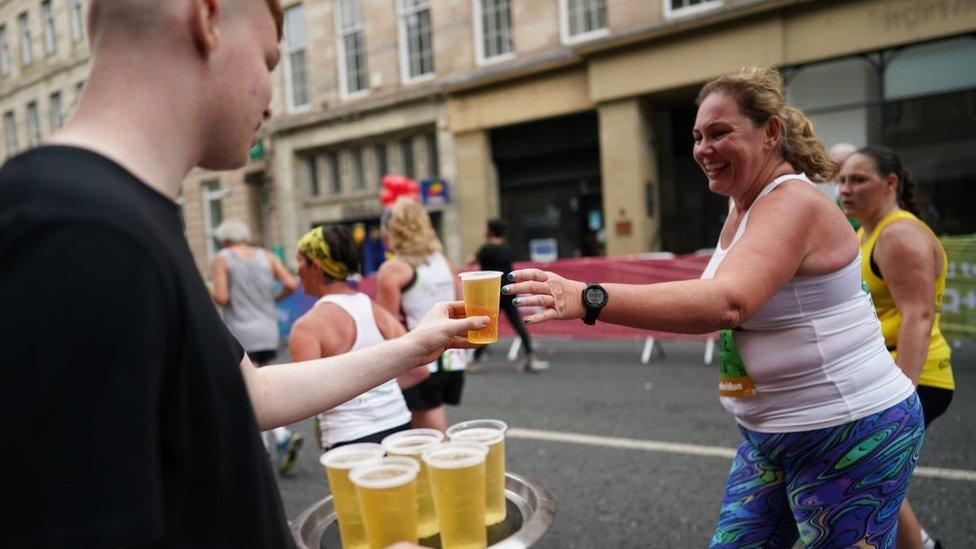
958 312
959 301
633 269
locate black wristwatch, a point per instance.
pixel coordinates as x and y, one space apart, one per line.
595 297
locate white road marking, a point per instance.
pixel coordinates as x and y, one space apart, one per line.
690 449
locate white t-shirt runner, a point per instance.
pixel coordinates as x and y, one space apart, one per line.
433 283
814 350
376 410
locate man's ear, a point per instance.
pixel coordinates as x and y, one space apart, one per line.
203 25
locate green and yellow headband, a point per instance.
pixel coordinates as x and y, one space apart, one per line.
316 249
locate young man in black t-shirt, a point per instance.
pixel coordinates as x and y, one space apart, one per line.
129 414
496 255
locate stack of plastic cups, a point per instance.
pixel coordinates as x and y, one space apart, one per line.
412 443
491 433
457 479
387 491
338 464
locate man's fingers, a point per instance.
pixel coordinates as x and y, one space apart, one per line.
455 309
461 342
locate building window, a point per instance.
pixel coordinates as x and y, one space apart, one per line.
4 52
26 41
296 64
213 214
416 40
433 160
77 9
382 166
406 156
582 20
493 30
312 172
56 111
679 8
33 125
358 175
335 173
47 20
10 132
352 48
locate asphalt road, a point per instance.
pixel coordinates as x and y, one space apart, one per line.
623 497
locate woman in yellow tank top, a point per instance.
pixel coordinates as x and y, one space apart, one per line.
904 266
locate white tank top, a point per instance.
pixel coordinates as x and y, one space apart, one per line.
376 410
433 283
814 350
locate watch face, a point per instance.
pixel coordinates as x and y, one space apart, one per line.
595 297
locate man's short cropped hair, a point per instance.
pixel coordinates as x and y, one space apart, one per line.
497 227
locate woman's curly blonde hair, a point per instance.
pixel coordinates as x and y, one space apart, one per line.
409 232
760 95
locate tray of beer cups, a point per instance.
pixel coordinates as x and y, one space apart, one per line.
420 486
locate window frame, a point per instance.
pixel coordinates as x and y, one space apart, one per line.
705 6
12 140
55 103
34 132
76 15
568 39
6 61
287 53
211 191
335 172
25 38
478 9
49 28
340 35
402 43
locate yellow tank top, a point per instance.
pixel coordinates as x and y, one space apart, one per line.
937 370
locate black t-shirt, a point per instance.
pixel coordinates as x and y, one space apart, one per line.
495 257
125 419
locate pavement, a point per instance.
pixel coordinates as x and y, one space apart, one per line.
658 481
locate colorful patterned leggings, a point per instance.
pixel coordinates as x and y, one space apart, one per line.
834 487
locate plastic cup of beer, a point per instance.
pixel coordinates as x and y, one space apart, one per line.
482 292
412 443
491 433
387 491
337 465
457 478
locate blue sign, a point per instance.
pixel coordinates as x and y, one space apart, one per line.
435 191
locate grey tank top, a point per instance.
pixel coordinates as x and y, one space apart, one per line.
250 313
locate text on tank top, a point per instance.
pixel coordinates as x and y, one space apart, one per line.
813 350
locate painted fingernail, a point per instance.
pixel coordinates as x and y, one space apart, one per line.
516 301
510 277
504 289
528 321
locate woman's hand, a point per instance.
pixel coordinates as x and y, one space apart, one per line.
444 327
559 298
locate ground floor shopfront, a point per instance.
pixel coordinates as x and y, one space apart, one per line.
594 152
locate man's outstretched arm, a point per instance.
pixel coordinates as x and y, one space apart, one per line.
282 394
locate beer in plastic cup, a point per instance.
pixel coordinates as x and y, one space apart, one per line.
482 291
337 465
387 491
491 433
412 443
457 477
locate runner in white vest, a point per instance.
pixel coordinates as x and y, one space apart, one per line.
345 320
409 284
